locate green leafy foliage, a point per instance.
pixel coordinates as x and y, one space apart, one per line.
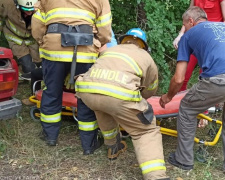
162 22
124 15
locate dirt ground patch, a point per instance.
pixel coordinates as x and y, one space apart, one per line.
24 156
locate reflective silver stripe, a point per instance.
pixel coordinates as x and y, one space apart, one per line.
51 118
13 39
150 166
125 58
29 42
39 15
113 91
57 56
68 56
104 20
88 126
86 58
153 165
13 28
70 13
110 134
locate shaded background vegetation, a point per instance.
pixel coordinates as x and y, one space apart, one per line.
161 20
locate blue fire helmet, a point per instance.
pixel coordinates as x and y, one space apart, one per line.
137 33
113 41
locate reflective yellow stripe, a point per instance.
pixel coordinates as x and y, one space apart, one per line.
13 28
104 20
39 15
88 126
51 118
14 39
70 13
110 134
153 85
29 42
125 58
153 165
109 90
67 56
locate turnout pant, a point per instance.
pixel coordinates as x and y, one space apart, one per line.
22 50
54 73
147 139
204 94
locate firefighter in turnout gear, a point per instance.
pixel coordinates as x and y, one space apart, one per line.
17 30
116 88
70 34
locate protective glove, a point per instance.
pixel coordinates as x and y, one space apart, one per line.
67 84
177 39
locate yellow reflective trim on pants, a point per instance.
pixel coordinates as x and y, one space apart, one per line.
88 126
153 85
104 20
153 165
54 118
70 13
109 90
131 62
14 39
67 56
39 15
16 31
110 134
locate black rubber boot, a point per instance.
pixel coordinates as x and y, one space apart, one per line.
26 63
43 136
116 149
172 160
96 145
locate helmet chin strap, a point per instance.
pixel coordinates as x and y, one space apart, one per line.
16 3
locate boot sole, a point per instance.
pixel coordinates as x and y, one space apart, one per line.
114 156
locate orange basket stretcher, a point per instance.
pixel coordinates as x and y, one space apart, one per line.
69 105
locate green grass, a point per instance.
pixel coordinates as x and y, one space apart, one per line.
24 154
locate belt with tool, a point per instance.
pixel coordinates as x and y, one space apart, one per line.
73 36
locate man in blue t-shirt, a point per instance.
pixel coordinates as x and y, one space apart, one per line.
206 40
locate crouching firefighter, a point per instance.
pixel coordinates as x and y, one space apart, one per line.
69 31
17 31
116 88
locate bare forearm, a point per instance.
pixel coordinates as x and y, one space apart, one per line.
174 87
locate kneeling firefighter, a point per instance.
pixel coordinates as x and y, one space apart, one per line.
116 88
17 31
68 32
